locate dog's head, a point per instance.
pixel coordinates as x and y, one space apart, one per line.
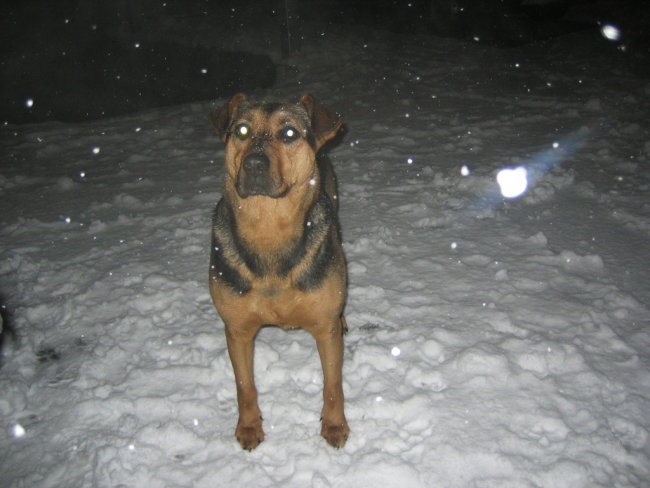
271 147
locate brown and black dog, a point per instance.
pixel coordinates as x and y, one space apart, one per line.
276 254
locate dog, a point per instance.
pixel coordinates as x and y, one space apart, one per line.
276 256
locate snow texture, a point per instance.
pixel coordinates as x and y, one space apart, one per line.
494 342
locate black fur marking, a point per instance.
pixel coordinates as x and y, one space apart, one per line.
311 139
270 107
316 226
250 259
320 267
220 270
221 267
323 222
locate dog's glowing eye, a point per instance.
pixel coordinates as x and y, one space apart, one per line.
242 131
289 134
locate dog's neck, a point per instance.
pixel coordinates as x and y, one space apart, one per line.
269 225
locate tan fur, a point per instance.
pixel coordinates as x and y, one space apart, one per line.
308 294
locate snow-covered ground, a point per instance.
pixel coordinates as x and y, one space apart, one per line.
493 342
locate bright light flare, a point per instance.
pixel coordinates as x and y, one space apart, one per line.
610 32
513 182
18 431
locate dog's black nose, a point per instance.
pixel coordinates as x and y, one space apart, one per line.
256 164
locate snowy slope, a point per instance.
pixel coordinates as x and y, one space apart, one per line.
492 343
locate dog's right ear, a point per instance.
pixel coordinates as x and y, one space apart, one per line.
222 118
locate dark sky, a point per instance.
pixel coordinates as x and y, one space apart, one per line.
74 60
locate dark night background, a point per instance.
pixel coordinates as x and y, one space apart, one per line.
80 59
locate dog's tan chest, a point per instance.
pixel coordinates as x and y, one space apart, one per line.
279 303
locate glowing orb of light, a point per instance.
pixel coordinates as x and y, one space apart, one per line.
513 181
18 431
610 32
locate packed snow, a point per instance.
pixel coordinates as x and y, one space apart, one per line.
499 335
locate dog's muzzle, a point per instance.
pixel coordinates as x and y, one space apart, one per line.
255 177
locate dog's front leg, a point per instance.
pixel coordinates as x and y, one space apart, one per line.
240 342
329 340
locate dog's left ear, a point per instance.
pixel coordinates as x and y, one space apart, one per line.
222 118
324 123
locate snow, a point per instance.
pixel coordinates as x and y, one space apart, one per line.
493 341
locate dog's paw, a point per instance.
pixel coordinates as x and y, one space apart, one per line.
249 437
335 435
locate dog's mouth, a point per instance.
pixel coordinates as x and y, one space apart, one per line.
245 191
256 178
